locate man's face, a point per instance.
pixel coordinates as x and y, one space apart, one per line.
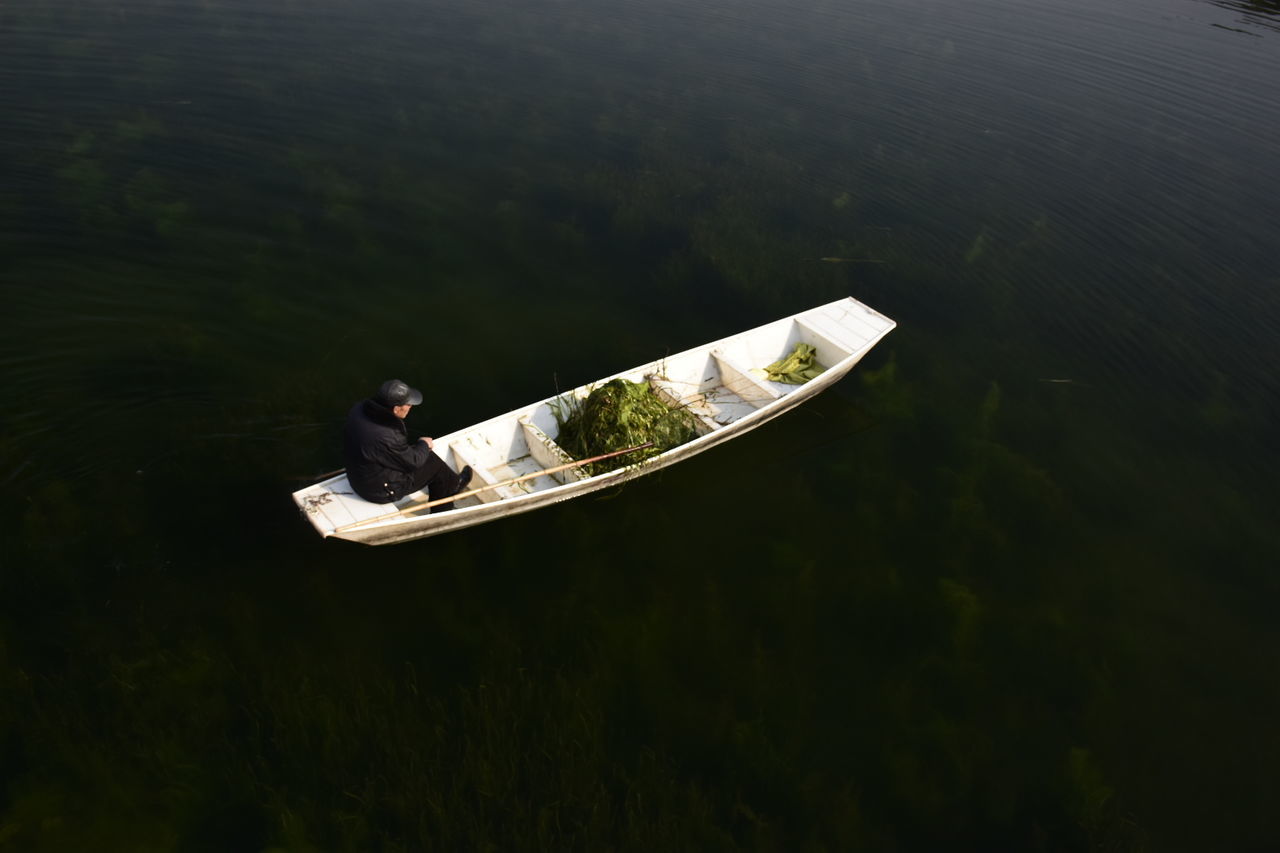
401 411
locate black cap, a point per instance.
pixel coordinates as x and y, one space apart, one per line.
395 393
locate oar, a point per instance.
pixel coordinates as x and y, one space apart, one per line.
425 505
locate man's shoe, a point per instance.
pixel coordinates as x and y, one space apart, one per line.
464 477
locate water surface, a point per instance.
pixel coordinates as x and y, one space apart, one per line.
1006 587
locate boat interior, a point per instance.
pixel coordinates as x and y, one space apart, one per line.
718 385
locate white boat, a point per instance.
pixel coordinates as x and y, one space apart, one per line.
519 467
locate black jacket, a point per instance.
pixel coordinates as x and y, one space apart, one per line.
381 460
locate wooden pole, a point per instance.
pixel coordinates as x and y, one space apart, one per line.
430 503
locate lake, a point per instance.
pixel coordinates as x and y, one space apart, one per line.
1001 588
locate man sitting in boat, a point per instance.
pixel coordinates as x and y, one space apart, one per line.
382 464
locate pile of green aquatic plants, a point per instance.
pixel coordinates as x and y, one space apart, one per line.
618 415
797 368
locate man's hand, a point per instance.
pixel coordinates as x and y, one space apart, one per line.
431 445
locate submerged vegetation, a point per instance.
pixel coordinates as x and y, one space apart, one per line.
618 415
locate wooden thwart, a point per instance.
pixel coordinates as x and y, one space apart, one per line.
430 503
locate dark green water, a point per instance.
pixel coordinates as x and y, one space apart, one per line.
1010 586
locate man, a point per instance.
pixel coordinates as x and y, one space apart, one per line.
382 464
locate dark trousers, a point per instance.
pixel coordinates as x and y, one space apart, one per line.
438 479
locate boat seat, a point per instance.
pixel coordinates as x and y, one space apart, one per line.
462 456
695 405
548 454
833 341
739 379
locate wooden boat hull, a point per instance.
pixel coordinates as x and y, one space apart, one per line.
721 383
